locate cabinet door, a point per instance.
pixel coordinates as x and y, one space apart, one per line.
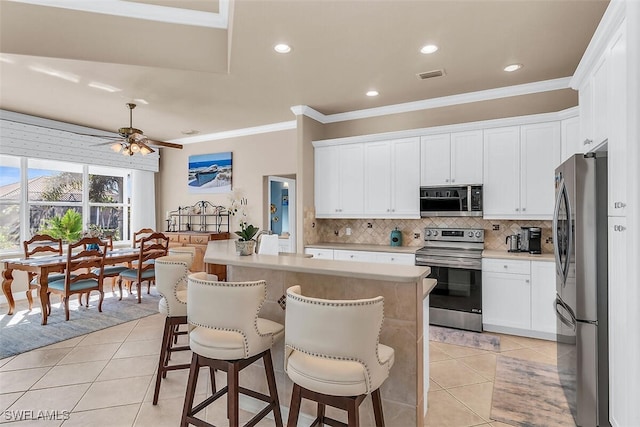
351 188
466 158
617 146
319 253
326 181
620 344
506 300
393 258
405 178
543 296
570 138
359 256
600 82
585 101
540 154
377 179
435 151
501 172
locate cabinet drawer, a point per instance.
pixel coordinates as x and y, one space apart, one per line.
392 258
184 238
320 253
174 237
199 240
506 266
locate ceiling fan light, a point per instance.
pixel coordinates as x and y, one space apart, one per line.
145 150
116 147
134 147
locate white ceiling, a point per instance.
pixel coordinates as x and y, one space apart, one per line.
226 76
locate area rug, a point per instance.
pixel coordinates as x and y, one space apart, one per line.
529 394
464 338
22 331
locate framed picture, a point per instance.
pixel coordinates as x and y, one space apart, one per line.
210 173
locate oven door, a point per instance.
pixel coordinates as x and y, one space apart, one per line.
458 288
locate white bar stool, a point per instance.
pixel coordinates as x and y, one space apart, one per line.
228 335
333 355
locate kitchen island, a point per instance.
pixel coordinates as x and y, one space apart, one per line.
404 392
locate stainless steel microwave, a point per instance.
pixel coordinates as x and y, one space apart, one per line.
451 201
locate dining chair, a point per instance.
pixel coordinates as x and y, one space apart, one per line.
228 335
334 356
87 266
110 271
153 246
41 245
269 244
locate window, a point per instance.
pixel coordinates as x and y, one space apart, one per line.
85 194
10 196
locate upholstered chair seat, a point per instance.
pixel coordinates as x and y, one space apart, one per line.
229 336
333 354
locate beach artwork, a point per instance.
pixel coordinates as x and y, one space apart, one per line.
210 173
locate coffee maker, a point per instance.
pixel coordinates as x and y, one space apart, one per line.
531 240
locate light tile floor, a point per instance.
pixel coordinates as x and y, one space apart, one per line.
106 378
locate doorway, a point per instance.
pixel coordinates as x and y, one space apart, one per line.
282 211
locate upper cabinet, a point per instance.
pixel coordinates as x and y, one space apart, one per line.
451 159
519 165
571 143
339 181
392 178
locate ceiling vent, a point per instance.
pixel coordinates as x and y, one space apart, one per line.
430 74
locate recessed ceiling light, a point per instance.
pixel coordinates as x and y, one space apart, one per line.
282 48
105 87
372 93
430 48
512 67
190 132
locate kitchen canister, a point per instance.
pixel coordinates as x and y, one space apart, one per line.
396 237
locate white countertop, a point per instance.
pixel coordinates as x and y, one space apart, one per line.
224 252
524 256
365 247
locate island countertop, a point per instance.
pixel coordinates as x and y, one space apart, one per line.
224 252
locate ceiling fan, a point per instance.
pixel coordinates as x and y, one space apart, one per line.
134 141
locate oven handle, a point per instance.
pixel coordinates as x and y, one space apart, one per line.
461 263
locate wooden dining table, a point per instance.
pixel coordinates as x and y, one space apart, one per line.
43 266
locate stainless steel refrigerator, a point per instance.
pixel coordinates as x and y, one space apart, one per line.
580 246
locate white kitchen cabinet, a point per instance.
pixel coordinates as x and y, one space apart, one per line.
339 181
543 293
601 113
519 165
319 253
393 258
392 179
617 146
451 159
570 137
518 297
585 102
358 256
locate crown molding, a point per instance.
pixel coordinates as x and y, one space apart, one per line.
150 12
445 101
273 127
611 20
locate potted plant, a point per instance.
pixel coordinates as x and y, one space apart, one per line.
245 245
67 227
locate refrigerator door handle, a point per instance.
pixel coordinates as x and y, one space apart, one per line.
568 321
562 270
556 245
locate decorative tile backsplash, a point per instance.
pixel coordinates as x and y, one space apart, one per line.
377 231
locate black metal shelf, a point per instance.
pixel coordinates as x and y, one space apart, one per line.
203 216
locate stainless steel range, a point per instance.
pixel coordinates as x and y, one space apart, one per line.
455 258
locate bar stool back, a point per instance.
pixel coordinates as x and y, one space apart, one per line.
333 355
228 335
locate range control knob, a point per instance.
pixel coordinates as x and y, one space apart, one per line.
478 234
470 234
427 233
435 232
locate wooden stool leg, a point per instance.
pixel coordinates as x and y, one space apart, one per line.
321 408
232 394
29 298
294 407
191 390
377 408
352 413
273 391
120 287
212 374
161 362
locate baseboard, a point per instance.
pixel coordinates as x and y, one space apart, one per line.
519 332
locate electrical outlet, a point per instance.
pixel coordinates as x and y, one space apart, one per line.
369 225
336 232
347 231
416 235
496 227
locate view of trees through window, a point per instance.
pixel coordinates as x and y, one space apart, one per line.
57 200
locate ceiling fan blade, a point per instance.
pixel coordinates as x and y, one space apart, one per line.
111 142
163 144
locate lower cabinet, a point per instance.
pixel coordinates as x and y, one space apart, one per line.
199 241
362 256
518 297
